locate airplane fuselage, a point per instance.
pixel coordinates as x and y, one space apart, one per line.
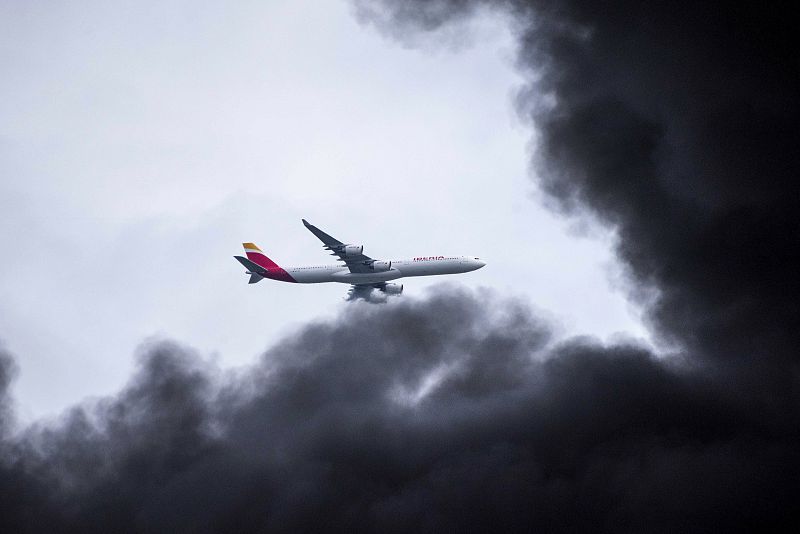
419 266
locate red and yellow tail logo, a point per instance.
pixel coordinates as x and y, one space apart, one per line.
275 271
255 255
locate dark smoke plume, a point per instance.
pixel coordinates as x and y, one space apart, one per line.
453 412
677 126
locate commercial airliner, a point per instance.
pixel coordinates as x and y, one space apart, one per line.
363 273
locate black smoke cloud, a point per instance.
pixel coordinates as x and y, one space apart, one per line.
453 412
675 125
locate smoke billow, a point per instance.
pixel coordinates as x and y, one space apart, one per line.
677 126
454 412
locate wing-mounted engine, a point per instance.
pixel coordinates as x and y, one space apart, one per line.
352 250
352 255
349 251
380 266
392 289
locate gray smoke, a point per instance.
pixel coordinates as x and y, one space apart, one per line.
453 412
674 124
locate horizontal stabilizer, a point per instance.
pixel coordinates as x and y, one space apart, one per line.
251 266
255 278
257 263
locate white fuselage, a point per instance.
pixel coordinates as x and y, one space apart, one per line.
420 266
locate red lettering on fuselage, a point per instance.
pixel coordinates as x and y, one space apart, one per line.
429 258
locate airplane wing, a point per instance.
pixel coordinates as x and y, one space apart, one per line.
363 291
357 263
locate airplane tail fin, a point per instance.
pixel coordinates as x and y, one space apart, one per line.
259 266
255 255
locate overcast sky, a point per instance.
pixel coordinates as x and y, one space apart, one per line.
141 144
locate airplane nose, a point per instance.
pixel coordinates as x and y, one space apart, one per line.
480 263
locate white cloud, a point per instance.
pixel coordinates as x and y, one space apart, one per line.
139 146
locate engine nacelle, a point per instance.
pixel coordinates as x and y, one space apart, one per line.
380 266
353 250
393 289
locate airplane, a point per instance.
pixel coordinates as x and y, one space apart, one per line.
363 273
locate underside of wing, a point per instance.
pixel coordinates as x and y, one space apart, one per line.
364 291
351 255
